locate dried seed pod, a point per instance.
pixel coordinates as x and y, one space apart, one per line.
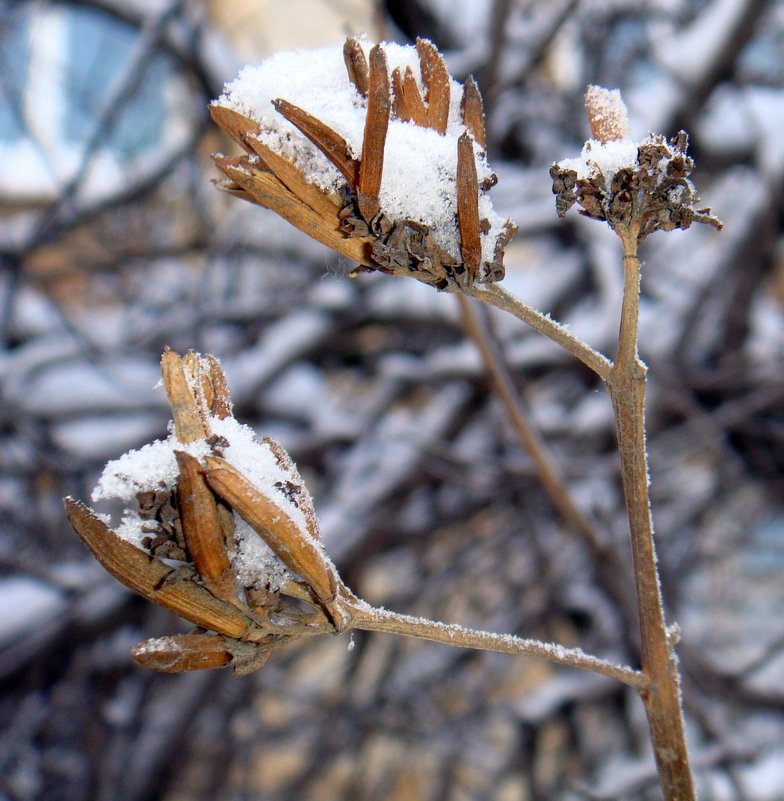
266 190
221 404
607 114
472 111
302 499
408 103
235 125
148 577
180 653
322 203
468 204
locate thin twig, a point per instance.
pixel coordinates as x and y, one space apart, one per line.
529 438
497 296
370 618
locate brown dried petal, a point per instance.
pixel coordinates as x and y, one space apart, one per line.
435 78
356 64
321 202
148 577
202 529
269 192
296 549
236 125
330 143
472 110
468 205
222 406
188 423
375 135
408 103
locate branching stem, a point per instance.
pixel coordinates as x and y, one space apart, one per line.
370 618
626 385
496 295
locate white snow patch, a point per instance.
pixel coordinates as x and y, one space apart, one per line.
154 467
606 158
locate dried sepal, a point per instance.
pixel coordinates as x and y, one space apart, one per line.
330 143
296 489
202 529
295 548
155 580
221 406
237 126
321 202
356 64
376 124
188 422
435 78
468 204
180 653
268 191
408 103
472 110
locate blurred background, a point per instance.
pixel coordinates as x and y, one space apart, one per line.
114 244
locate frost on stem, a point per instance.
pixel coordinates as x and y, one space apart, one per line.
635 185
219 528
376 152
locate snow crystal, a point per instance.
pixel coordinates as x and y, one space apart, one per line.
418 181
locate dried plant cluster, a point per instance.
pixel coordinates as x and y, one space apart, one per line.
642 186
636 187
190 538
353 221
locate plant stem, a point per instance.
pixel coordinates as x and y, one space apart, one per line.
496 295
369 618
626 385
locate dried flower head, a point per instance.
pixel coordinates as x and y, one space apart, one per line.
249 569
376 152
642 186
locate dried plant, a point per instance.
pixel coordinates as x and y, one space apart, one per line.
253 574
350 216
